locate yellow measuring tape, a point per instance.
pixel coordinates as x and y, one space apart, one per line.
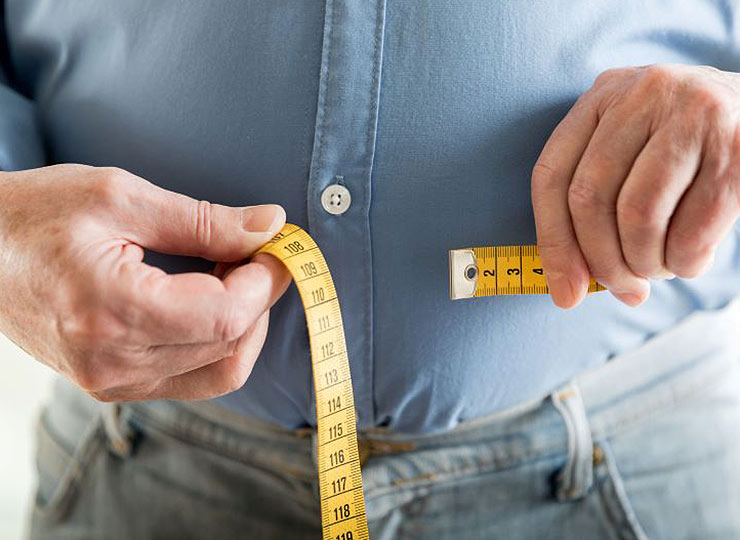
340 478
474 272
491 271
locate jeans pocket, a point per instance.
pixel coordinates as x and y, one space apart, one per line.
61 469
615 503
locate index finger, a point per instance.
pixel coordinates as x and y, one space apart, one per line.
194 307
565 267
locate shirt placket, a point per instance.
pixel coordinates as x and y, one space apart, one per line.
340 183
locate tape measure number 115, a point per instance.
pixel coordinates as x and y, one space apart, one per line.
474 272
340 478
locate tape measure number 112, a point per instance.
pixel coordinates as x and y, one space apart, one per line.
474 272
340 478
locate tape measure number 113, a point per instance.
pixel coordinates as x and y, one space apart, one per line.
340 478
474 272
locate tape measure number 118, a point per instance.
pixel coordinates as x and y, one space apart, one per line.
474 272
340 478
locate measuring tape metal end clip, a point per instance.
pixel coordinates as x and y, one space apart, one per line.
499 270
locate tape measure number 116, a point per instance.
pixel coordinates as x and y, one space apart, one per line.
474 272
340 478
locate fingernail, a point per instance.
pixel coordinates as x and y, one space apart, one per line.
562 290
263 218
632 299
665 274
629 298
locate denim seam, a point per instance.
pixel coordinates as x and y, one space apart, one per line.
91 443
188 489
492 466
641 414
220 450
626 525
177 423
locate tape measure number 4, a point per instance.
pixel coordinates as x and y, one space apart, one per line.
492 271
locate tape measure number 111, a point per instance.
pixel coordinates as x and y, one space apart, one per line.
340 478
474 272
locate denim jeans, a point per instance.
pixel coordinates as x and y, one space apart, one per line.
645 446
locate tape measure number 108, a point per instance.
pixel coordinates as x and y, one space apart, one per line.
474 272
340 478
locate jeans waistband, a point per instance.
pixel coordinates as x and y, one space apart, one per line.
668 368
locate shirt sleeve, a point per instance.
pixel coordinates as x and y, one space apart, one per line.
21 144
20 139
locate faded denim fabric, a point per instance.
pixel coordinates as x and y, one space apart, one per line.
645 446
431 113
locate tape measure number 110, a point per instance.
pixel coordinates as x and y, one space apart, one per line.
474 272
340 478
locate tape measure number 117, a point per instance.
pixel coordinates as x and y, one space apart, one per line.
340 478
474 272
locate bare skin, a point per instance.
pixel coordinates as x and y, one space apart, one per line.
76 295
639 181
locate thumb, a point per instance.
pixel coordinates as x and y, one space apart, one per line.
173 223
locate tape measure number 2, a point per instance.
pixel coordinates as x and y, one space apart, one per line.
340 477
492 271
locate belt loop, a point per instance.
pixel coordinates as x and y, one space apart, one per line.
576 477
118 431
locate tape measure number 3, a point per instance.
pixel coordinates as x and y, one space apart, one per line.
492 271
340 477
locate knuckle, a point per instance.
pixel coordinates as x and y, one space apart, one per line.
643 213
689 265
687 238
90 374
91 331
642 266
605 274
607 76
584 197
657 76
686 257
233 379
231 324
109 187
710 102
202 222
544 177
554 248
232 347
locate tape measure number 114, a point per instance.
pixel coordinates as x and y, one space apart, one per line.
474 272
340 478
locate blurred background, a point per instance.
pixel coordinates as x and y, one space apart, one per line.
24 387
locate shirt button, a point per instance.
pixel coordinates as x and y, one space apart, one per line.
336 199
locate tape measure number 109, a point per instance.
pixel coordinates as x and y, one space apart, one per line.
340 478
474 272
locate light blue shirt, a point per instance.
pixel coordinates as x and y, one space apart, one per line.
431 113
